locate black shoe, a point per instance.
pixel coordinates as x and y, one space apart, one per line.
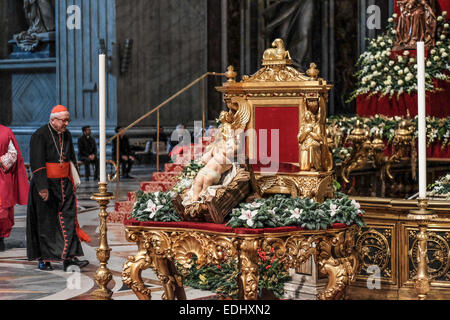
75 262
2 245
45 266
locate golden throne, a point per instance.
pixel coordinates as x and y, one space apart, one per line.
283 114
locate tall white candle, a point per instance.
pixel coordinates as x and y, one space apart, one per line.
102 115
422 120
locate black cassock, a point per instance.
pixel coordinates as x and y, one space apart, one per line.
51 225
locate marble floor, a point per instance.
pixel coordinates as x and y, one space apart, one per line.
22 280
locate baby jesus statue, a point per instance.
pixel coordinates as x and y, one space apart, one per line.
218 160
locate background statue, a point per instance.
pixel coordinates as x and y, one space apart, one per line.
290 20
40 15
417 22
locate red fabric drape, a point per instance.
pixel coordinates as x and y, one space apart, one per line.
216 227
14 183
436 103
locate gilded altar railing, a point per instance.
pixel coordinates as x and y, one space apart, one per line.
388 248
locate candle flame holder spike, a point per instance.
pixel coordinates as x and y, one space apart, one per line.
103 275
423 217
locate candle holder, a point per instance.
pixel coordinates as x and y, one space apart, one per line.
422 216
103 275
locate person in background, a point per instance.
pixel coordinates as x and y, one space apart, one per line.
162 136
178 137
87 152
126 157
53 232
13 182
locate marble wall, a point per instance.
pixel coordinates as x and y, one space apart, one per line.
170 50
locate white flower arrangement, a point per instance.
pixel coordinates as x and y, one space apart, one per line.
378 54
441 188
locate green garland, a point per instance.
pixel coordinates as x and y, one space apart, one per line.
155 206
438 129
223 278
282 211
379 73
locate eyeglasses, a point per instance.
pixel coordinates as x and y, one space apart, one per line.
63 120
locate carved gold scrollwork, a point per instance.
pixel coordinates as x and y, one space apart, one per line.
334 252
221 249
249 279
338 259
188 244
404 147
132 269
299 249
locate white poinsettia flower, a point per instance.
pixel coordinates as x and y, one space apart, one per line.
443 37
333 209
296 213
440 18
273 211
395 15
248 216
390 20
254 205
356 205
152 208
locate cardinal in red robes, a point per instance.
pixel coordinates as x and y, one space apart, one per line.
53 233
13 182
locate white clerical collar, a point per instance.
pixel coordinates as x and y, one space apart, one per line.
54 128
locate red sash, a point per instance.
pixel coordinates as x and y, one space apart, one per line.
54 170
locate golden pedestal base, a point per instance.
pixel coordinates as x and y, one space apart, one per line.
313 185
103 275
160 248
423 217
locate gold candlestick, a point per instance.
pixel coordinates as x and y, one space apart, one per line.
423 216
103 275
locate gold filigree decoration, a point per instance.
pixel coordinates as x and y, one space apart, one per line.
374 249
333 250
